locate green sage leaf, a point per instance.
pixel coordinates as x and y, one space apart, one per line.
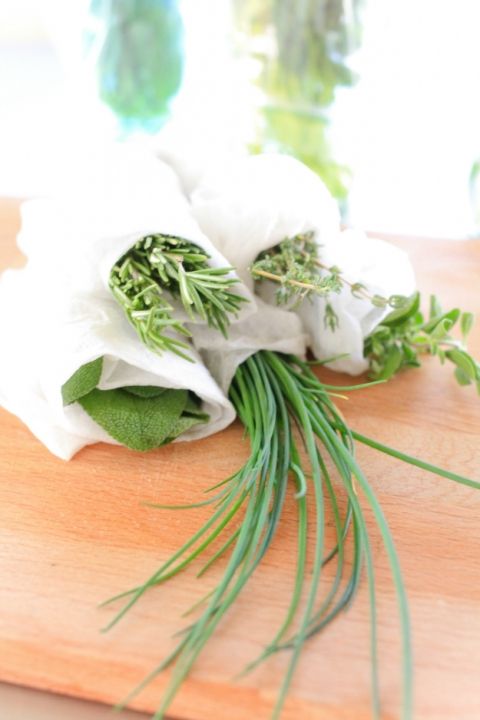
145 391
185 423
136 422
83 381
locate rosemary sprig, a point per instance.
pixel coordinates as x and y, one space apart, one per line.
162 264
295 265
406 334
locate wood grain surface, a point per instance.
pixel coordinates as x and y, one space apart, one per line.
72 534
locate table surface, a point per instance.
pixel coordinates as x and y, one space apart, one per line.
73 534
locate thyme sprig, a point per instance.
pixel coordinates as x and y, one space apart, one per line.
159 265
293 264
402 337
296 266
406 334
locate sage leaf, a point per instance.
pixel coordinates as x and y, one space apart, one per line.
145 391
83 381
186 422
136 422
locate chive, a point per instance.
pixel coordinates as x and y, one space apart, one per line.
295 433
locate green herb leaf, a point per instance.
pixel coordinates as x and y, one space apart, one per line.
441 330
461 377
466 324
463 361
435 307
186 422
409 309
139 423
407 331
83 381
145 391
392 363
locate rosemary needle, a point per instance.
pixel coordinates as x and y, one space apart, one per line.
162 267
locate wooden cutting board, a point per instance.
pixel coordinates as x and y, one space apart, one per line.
73 534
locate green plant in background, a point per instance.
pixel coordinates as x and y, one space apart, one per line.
140 58
301 73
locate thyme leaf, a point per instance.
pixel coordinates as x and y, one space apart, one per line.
297 268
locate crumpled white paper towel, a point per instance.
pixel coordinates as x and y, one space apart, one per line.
50 327
269 328
257 202
383 269
263 199
109 200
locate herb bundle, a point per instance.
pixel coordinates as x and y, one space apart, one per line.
296 433
149 387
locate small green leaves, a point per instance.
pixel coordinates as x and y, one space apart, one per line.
293 264
404 335
85 379
466 324
139 417
464 362
159 264
392 363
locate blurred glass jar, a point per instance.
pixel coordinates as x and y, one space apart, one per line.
136 48
301 51
256 73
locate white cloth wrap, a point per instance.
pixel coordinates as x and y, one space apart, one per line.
263 199
383 269
259 201
110 201
269 328
50 329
